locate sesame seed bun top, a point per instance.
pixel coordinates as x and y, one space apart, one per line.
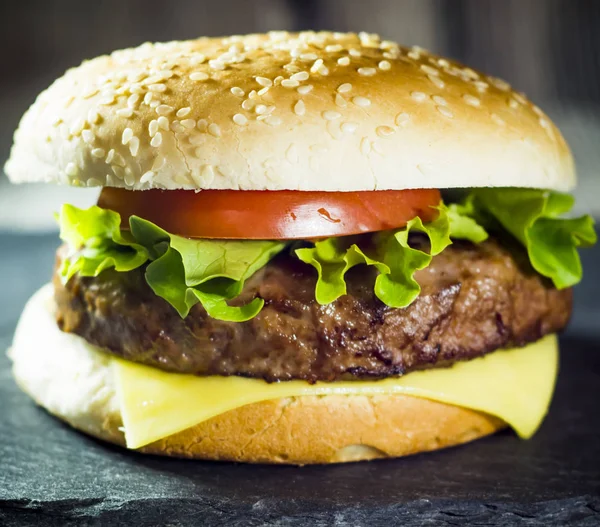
307 111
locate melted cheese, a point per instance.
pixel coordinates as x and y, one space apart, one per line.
515 385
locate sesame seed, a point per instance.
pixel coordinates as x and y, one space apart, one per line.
349 128
437 99
207 174
127 135
263 81
157 88
333 48
177 127
340 101
216 64
273 120
110 156
159 162
214 130
300 76
148 98
71 170
118 159
376 146
132 100
291 154
77 127
134 145
497 119
445 111
518 97
330 115
317 64
513 103
499 83
354 52
430 70
198 58
303 90
236 90
88 136
323 70
93 116
125 112
107 101
154 104
163 122
361 101
156 140
90 92
188 123
277 80
199 76
437 81
253 95
472 74
537 110
344 61
202 125
118 171
471 100
129 178
413 55
93 182
260 109
367 72
344 88
385 65
402 119
240 119
248 104
164 109
289 83
308 57
418 96
147 177
183 112
365 146
100 153
481 86
384 131
299 108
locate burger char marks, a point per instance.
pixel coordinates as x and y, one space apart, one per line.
475 299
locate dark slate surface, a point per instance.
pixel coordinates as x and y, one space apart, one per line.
52 475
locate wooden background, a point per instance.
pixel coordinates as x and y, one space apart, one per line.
547 48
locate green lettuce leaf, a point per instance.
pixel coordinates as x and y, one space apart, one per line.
182 271
463 225
187 271
390 253
532 216
97 242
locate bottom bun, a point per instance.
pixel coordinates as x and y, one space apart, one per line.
74 381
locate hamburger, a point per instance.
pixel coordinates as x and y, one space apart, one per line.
308 248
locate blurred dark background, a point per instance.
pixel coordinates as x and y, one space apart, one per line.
548 48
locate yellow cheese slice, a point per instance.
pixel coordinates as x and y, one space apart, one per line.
515 385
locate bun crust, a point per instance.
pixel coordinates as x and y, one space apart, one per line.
308 111
73 380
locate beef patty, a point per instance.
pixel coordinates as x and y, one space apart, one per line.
474 299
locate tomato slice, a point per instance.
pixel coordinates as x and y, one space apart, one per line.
270 215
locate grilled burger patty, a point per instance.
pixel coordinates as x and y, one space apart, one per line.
474 299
